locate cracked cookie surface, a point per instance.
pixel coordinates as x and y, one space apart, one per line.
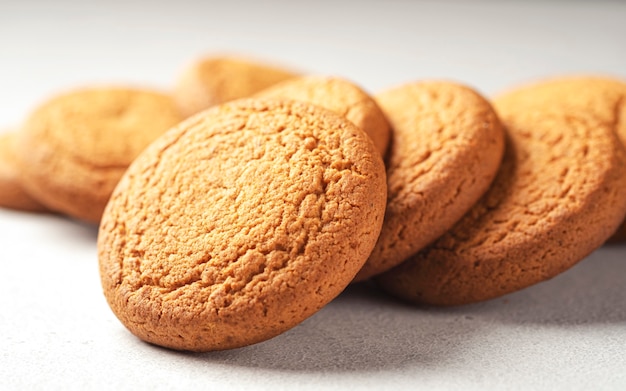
446 146
603 95
74 148
12 193
558 196
340 96
240 223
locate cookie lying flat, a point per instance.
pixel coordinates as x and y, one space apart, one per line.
12 193
599 95
74 148
446 147
214 80
240 223
559 195
342 97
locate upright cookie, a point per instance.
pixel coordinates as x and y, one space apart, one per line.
446 147
559 195
240 223
12 193
74 148
597 94
213 80
342 97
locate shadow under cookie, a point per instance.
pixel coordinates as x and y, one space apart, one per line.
592 292
364 330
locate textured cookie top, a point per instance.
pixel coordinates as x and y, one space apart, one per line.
213 80
601 95
74 148
604 96
342 97
12 193
559 194
446 147
240 223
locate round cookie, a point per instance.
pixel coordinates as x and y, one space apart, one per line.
599 94
12 193
73 149
446 147
240 223
558 196
213 80
342 97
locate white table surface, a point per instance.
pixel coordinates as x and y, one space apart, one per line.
56 330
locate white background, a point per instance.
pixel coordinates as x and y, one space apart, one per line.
56 330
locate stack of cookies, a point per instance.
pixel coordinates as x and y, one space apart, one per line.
242 203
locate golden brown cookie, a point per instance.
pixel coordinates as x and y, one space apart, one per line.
240 223
74 148
12 193
342 97
558 196
217 79
446 147
598 94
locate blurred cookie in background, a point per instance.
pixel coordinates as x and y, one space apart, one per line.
12 193
73 149
212 80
